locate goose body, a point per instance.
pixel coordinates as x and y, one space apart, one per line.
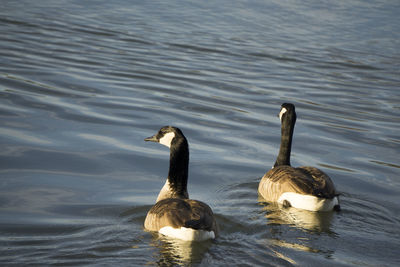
304 187
174 214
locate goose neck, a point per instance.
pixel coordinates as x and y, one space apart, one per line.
287 130
179 167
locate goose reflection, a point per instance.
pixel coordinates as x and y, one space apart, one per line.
303 219
174 251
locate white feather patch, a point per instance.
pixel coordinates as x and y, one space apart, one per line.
187 234
167 139
283 111
308 202
165 192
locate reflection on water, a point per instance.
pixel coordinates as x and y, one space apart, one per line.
308 220
80 90
313 223
174 251
296 246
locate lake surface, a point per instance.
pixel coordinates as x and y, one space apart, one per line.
82 83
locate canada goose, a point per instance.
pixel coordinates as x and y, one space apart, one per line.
174 214
305 187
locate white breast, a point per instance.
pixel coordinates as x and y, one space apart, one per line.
165 192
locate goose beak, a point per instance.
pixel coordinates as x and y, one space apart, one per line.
152 138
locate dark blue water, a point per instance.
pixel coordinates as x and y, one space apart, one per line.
82 83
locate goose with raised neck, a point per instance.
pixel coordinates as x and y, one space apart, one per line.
174 214
304 187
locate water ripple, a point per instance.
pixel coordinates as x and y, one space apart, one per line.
79 91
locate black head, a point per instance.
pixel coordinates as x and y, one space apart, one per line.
166 136
287 113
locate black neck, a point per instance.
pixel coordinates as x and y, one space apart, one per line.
287 129
179 167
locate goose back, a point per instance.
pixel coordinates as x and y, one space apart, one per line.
179 213
302 180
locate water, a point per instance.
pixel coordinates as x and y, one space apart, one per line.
82 83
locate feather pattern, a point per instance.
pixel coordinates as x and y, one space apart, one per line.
178 213
302 180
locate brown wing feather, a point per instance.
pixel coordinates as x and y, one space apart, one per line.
322 183
176 213
303 180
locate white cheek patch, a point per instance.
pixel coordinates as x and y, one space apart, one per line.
167 139
283 111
